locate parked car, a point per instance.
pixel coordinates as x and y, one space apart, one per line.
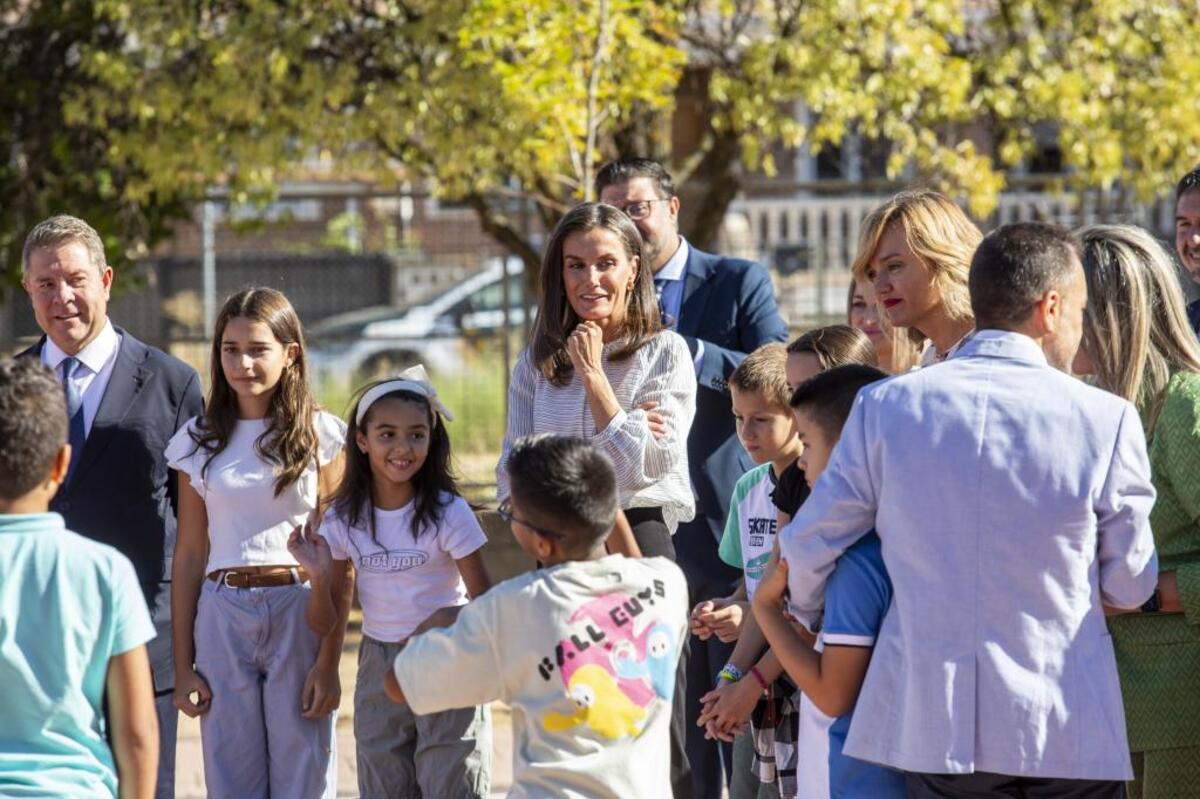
372 342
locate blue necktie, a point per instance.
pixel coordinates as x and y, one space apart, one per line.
77 434
659 285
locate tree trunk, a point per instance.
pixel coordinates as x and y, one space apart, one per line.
713 186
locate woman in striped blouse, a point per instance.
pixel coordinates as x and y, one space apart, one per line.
601 366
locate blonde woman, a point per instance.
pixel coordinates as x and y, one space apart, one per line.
895 351
915 250
1137 344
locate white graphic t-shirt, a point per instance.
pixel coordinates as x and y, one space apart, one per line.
401 579
750 529
585 654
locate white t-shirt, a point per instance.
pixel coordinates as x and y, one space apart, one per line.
401 581
585 654
247 524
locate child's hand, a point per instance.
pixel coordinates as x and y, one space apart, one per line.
188 682
727 707
311 551
322 692
442 617
721 617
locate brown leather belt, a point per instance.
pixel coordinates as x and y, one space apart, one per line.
236 579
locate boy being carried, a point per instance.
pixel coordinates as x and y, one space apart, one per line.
830 674
73 623
584 650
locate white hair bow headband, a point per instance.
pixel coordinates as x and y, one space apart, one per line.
413 379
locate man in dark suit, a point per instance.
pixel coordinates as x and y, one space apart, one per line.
724 308
124 402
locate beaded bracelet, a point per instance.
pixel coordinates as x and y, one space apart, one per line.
730 673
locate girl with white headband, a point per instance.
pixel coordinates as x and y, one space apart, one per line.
414 543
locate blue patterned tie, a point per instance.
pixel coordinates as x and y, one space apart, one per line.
77 434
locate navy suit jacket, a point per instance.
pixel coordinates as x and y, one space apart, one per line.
729 304
122 493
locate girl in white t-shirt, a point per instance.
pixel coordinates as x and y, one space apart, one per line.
414 543
263 683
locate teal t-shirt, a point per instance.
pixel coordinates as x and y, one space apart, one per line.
67 606
750 529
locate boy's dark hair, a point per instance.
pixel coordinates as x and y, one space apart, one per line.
624 170
1014 266
1187 184
828 396
33 424
565 485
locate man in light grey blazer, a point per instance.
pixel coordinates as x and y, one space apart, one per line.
1013 504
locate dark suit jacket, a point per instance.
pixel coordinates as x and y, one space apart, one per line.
729 304
122 492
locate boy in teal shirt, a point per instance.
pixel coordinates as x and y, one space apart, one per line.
766 428
73 623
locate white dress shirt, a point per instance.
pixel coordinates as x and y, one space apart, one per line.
1011 500
651 472
94 371
676 269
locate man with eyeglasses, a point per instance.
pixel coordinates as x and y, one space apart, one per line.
724 308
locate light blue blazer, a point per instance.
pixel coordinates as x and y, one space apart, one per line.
1012 500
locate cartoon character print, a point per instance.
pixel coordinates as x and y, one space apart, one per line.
656 663
614 666
600 704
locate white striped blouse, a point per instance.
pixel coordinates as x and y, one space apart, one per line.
650 472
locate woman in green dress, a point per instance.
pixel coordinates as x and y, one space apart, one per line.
1137 343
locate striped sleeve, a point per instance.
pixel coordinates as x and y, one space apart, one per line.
640 459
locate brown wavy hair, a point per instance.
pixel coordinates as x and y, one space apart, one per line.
290 440
555 316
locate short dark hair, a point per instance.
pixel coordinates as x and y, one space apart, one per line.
1187 184
624 170
1014 266
33 424
828 396
566 485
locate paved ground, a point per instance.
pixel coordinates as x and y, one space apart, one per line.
189 769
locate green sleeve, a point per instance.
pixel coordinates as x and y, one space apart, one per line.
1176 448
1177 453
730 550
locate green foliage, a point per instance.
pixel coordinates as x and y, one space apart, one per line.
123 110
53 162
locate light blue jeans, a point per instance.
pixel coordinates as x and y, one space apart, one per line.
254 648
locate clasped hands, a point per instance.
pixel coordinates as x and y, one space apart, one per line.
585 347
